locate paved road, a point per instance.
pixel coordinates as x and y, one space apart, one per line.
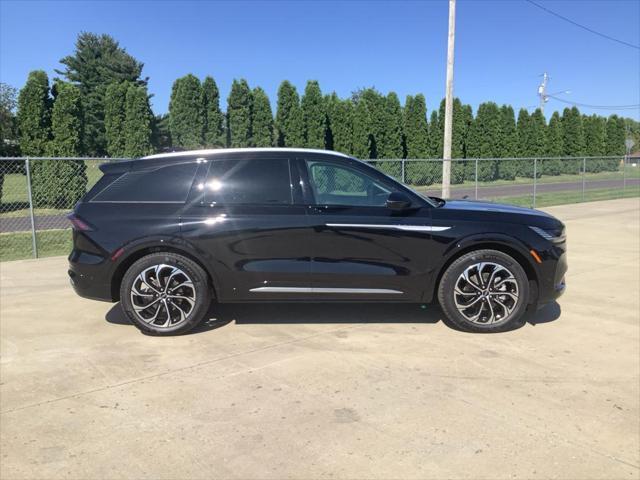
330 391
49 222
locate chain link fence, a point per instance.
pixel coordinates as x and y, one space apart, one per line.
36 194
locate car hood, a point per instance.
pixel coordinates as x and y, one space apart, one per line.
478 206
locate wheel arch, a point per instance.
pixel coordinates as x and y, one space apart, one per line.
135 255
501 246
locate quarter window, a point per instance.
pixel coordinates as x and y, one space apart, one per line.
169 183
334 184
249 181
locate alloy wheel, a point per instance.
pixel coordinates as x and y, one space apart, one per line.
163 296
486 293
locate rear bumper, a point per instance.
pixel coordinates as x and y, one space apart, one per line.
89 277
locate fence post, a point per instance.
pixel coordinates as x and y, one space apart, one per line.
535 180
403 180
624 174
34 244
476 177
584 169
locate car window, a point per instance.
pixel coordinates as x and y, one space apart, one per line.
335 184
249 181
170 183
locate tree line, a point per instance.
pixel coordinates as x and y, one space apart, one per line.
101 107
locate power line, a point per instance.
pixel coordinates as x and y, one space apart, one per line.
604 107
603 35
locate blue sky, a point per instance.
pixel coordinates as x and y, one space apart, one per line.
501 47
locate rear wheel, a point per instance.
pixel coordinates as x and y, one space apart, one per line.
165 294
484 291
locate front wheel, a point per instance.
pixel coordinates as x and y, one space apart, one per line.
484 291
165 294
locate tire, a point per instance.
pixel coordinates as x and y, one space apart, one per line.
471 304
177 285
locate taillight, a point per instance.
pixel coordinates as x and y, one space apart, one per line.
78 223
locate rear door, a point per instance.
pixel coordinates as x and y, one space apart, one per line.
246 217
361 248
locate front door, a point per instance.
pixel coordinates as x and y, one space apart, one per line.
362 248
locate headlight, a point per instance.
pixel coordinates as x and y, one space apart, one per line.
555 235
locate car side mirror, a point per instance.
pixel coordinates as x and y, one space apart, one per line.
398 201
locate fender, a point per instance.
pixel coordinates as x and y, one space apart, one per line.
478 241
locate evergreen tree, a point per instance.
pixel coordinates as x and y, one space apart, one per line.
161 133
555 147
572 139
97 62
417 142
615 136
392 146
484 139
61 183
594 142
138 122
435 135
614 141
523 134
186 113
508 147
536 146
114 116
340 124
289 123
239 114
34 115
368 123
313 116
262 121
415 127
213 118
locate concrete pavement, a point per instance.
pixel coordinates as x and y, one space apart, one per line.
330 391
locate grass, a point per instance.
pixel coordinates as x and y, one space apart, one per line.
563 198
17 246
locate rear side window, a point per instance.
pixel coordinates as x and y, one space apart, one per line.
249 181
169 183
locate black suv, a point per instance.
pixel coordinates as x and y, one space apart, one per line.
169 233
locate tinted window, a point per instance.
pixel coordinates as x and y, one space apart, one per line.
260 181
164 184
335 184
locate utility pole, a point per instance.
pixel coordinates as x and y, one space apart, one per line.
448 109
542 91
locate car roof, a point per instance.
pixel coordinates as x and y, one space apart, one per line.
213 151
